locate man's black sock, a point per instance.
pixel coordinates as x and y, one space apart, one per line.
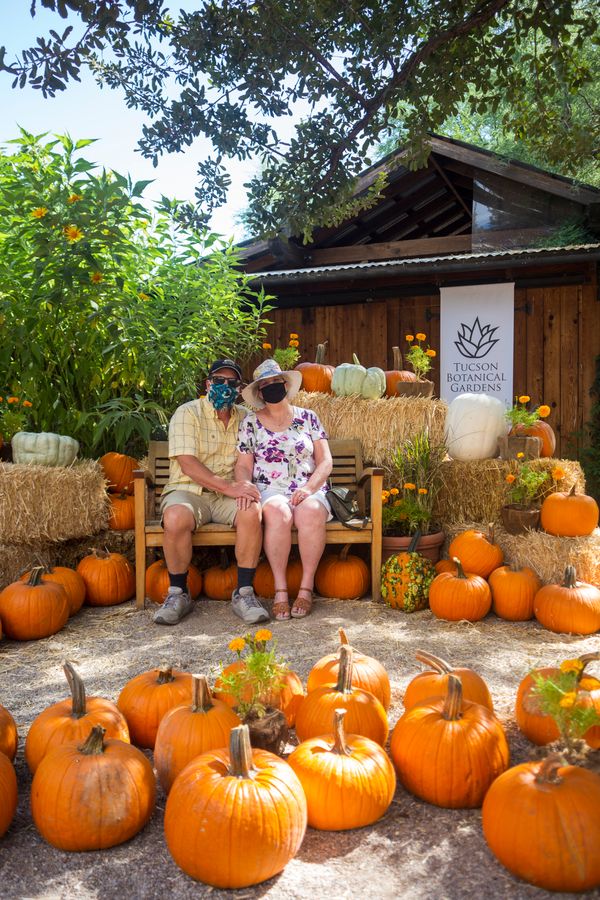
179 581
245 577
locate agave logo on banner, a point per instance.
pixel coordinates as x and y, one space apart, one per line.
477 341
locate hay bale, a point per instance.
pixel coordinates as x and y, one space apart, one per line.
379 425
475 491
51 503
544 553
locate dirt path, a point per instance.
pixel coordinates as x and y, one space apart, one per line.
416 850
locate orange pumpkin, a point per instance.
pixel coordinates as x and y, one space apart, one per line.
235 817
188 731
540 820
8 793
543 431
118 470
448 751
316 377
122 512
445 565
71 720
393 376
264 583
148 697
460 596
477 551
109 578
92 796
157 581
33 609
366 715
343 576
9 737
70 580
220 581
513 592
348 780
367 673
434 683
569 514
572 607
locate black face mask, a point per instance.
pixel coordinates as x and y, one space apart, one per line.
273 393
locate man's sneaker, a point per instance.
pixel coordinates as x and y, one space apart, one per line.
248 607
177 604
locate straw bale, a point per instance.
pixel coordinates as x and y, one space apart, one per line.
379 425
475 491
544 553
52 503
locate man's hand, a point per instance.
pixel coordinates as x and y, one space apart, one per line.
244 490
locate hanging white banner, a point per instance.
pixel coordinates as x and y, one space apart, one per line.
477 341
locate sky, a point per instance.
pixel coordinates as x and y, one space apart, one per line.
85 110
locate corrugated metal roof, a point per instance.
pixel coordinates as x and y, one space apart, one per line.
400 262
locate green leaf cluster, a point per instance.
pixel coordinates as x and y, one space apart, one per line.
559 697
528 486
260 678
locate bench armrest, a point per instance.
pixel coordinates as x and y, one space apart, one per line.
371 472
142 473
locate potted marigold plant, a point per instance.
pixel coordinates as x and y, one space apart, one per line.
527 487
14 415
251 685
569 697
287 357
419 359
526 423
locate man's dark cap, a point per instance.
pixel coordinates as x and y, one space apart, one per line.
225 364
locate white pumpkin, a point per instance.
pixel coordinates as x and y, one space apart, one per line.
352 378
474 422
43 448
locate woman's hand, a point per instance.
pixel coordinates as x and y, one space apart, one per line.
299 495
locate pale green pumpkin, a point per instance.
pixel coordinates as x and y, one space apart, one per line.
43 449
352 378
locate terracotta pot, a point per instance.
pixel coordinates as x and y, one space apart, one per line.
414 389
429 545
269 732
517 519
510 445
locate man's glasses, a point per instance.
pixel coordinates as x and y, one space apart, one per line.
220 379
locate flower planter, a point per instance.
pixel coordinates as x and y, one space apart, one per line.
518 519
429 545
414 389
510 445
269 732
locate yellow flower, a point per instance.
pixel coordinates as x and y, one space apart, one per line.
588 684
25 402
409 337
431 353
409 486
266 347
39 212
143 296
237 645
12 399
520 455
96 277
544 411
423 491
263 634
524 398
510 478
557 473
420 336
394 491
73 198
294 343
572 665
294 336
568 700
72 233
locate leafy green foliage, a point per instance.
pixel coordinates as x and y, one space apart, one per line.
563 696
416 473
110 317
527 485
234 72
590 454
259 678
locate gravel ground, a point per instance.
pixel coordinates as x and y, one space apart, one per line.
416 850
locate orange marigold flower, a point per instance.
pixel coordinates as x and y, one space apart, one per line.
520 455
12 399
568 700
73 198
394 491
420 336
294 336
294 343
25 402
544 411
409 486
39 212
524 398
409 337
510 478
588 684
266 347
263 634
237 644
423 491
431 353
96 277
1 399
72 233
557 473
572 665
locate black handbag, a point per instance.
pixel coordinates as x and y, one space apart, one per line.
344 507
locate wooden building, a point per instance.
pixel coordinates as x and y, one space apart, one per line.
470 217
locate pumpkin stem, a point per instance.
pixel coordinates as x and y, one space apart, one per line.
35 576
397 357
77 688
201 696
94 743
165 675
436 663
344 682
570 577
412 547
320 354
453 701
344 552
224 559
343 638
340 746
586 658
98 553
572 491
490 535
355 359
460 572
548 770
240 752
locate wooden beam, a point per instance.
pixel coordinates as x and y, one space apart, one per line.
453 190
391 250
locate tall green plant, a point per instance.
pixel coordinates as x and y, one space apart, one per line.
109 316
590 455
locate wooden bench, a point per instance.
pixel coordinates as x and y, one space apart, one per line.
347 472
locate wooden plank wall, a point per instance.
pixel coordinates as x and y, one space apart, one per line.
557 339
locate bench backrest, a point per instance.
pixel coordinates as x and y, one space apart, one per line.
347 465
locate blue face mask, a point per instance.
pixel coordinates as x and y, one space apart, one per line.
222 396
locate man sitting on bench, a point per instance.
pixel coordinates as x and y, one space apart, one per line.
203 437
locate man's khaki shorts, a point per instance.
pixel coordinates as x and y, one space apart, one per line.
205 507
